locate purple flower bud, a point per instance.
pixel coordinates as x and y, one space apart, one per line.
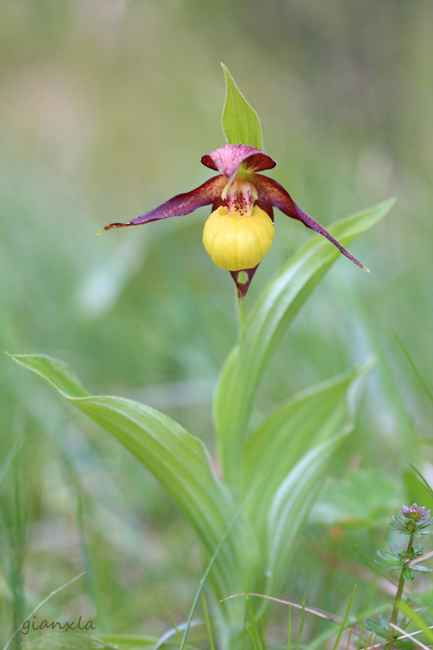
415 512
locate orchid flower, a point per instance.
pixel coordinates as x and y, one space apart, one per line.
239 232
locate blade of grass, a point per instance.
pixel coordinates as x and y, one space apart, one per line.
360 635
423 384
161 641
320 640
8 461
246 612
369 641
53 593
289 633
427 485
301 628
173 622
416 619
210 565
350 636
91 579
208 625
343 625
253 638
253 621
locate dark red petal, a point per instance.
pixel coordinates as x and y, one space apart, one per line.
273 193
181 204
218 203
266 208
243 287
228 159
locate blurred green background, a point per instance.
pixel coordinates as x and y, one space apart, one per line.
106 107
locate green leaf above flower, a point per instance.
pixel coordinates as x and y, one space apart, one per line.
240 122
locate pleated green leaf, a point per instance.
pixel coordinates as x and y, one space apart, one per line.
240 122
282 440
290 508
272 314
176 458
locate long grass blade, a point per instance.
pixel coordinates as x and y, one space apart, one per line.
90 576
424 480
289 633
343 625
53 593
418 375
369 641
360 635
176 629
416 619
8 461
209 567
167 635
301 627
254 632
208 624
245 612
348 640
263 635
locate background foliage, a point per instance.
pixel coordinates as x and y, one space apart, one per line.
106 108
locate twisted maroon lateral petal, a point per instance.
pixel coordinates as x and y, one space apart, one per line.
273 193
266 207
243 287
228 159
181 204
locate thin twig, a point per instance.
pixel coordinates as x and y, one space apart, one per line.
405 636
311 610
421 645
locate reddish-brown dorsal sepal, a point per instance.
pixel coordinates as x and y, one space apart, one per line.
227 160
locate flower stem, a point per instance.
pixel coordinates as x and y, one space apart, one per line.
242 316
399 594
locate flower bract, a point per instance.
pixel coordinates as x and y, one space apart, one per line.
239 232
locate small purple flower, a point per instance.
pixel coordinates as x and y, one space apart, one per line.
415 512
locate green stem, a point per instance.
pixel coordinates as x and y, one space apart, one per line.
242 316
399 594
